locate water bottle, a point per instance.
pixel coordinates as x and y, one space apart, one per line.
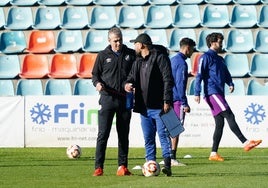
129 100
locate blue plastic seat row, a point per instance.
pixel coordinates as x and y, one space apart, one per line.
26 87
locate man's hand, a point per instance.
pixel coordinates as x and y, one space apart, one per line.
231 89
197 99
99 87
128 87
166 107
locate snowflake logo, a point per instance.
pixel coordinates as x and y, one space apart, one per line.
40 113
255 113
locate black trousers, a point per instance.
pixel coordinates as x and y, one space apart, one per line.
219 121
111 106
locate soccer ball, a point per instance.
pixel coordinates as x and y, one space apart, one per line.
73 151
150 168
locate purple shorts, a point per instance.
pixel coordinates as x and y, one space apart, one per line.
217 104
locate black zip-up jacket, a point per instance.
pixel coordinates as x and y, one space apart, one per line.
112 70
159 84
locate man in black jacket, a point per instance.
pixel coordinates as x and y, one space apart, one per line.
152 81
111 68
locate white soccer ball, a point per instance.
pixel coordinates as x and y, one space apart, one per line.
150 168
73 151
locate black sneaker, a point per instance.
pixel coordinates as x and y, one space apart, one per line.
166 171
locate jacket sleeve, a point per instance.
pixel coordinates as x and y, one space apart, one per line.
96 71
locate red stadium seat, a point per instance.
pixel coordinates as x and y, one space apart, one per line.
86 65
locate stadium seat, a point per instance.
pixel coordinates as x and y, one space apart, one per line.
177 34
96 40
129 34
19 18
75 17
51 2
239 88
58 87
84 87
69 41
131 16
264 1
195 63
259 65
78 2
26 87
215 16
2 18
23 2
246 2
237 64
222 2
47 18
4 2
105 2
158 17
34 66
256 88
239 41
134 2
9 66
161 2
63 66
158 36
196 2
12 42
202 44
187 16
41 41
243 16
86 64
103 17
261 42
191 88
263 16
6 88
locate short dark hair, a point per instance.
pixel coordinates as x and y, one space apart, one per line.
213 37
187 42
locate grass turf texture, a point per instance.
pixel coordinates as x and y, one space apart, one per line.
50 167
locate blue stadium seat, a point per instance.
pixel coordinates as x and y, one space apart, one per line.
177 34
78 2
237 64
9 66
187 16
75 17
6 88
96 40
58 87
4 2
23 2
27 87
161 2
69 41
256 88
202 44
158 36
192 87
84 87
239 41
131 16
243 16
239 88
2 18
261 41
263 17
215 16
158 17
47 18
105 2
103 17
246 2
134 2
19 18
51 2
264 1
129 34
259 65
12 42
222 2
196 2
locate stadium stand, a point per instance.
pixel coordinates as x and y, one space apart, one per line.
78 2
96 40
259 65
75 17
103 17
239 88
161 2
243 16
263 17
9 66
190 1
19 18
246 2
261 41
84 87
256 88
131 17
105 2
86 64
51 2
47 18
2 18
237 64
6 88
58 87
216 2
158 36
27 87
129 34
13 42
4 2
177 34
23 2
